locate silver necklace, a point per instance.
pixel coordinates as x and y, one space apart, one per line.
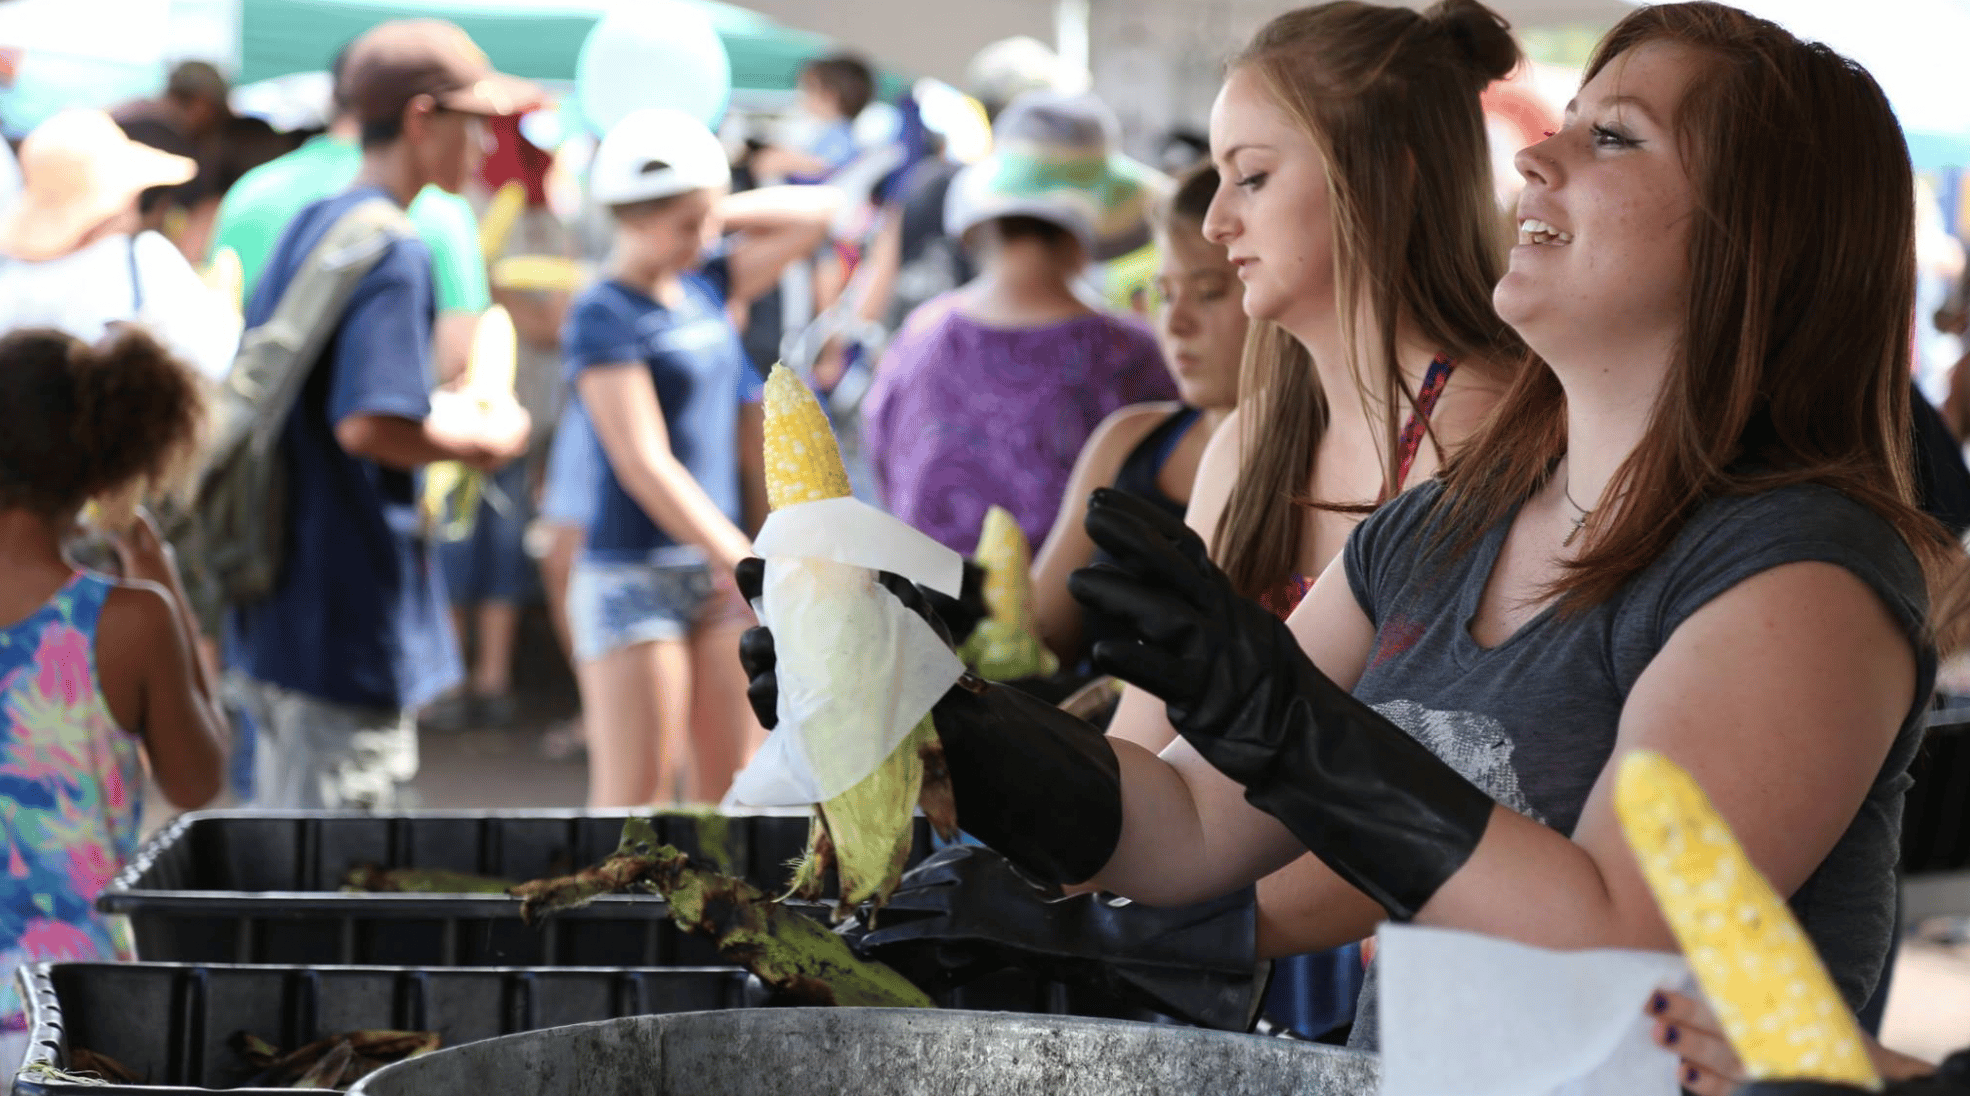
1579 523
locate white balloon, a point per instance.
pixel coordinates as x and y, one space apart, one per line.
653 53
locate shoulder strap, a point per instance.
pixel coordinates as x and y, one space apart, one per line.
310 308
136 280
1411 440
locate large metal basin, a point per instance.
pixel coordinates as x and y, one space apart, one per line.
877 1052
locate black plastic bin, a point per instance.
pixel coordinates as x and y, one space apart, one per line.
262 887
170 1023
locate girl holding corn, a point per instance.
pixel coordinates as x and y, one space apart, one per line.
1688 528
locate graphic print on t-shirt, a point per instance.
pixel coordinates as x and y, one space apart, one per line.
1472 743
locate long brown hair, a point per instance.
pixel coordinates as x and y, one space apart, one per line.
1389 96
1794 359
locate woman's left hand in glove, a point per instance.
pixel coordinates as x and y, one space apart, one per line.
1380 809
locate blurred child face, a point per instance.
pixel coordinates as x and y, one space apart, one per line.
672 238
1272 210
1200 316
817 100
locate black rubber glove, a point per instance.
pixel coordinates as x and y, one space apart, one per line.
1031 781
966 912
1952 1078
1381 810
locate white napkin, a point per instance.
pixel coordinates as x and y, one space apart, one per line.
1478 1016
856 669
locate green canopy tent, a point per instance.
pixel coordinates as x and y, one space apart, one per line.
537 39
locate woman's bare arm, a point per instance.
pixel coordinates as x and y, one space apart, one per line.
1056 615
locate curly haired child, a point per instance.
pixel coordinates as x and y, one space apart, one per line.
97 674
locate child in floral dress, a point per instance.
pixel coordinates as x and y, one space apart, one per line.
97 675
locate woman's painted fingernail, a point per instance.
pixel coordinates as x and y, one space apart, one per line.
1671 1034
1690 1075
1658 1004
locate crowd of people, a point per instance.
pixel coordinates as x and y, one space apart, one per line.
1311 454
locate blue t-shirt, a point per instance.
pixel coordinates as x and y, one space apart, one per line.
358 614
701 375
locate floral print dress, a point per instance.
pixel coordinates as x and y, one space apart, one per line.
71 789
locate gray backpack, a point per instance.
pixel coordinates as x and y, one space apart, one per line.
239 508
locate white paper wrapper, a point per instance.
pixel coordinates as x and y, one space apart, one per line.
848 530
857 670
1479 1016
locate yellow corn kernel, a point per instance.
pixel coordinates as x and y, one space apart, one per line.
803 463
1767 984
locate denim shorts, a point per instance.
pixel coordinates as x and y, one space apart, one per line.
616 605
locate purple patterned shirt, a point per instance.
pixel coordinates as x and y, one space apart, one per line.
964 416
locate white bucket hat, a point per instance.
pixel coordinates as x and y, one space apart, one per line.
657 153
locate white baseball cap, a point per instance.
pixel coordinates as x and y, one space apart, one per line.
657 152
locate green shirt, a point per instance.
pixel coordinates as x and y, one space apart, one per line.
258 208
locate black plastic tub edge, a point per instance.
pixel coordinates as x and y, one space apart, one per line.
170 1022
261 887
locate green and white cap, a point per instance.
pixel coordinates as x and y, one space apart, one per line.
1054 159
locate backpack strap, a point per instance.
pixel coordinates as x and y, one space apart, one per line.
309 311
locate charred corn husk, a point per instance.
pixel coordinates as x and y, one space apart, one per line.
786 949
864 833
1005 647
1768 986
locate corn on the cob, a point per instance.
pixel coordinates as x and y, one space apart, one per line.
803 463
495 356
502 213
864 833
225 276
1005 647
1768 986
452 491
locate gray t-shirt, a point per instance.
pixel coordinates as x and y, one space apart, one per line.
1532 721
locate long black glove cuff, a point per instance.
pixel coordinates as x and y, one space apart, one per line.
1375 805
1038 785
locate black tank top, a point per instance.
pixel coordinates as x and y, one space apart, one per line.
1137 476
